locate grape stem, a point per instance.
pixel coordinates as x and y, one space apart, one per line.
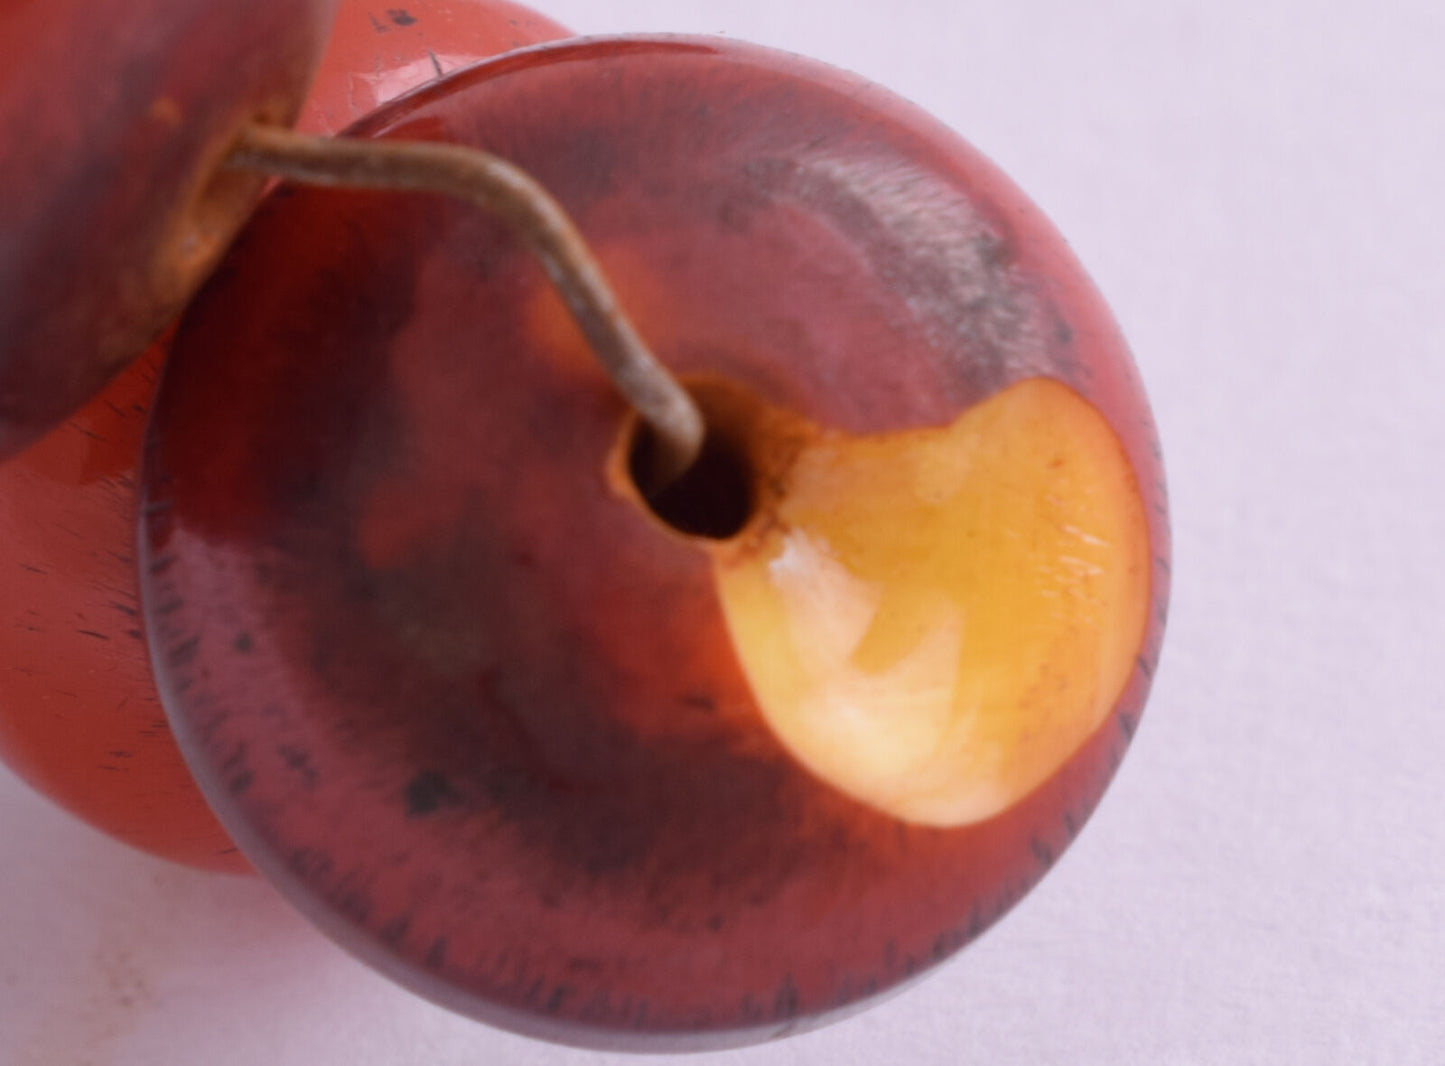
538 221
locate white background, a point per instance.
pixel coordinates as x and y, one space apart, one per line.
1256 185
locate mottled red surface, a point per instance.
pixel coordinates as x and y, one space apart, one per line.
471 708
80 719
113 114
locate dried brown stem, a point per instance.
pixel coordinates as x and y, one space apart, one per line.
538 220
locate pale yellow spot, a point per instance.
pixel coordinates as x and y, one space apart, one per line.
939 618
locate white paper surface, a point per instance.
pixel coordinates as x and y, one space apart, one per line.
1257 189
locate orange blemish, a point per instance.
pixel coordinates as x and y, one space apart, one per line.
554 333
165 110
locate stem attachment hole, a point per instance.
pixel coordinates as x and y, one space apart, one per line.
715 497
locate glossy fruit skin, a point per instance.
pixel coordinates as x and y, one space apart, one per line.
472 708
378 51
80 719
115 114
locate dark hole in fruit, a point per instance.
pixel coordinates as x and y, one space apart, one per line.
714 498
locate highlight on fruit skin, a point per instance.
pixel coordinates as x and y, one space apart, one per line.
497 724
80 719
377 52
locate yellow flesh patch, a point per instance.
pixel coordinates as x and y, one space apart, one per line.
939 618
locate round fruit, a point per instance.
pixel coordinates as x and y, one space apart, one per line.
79 716
675 772
115 116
